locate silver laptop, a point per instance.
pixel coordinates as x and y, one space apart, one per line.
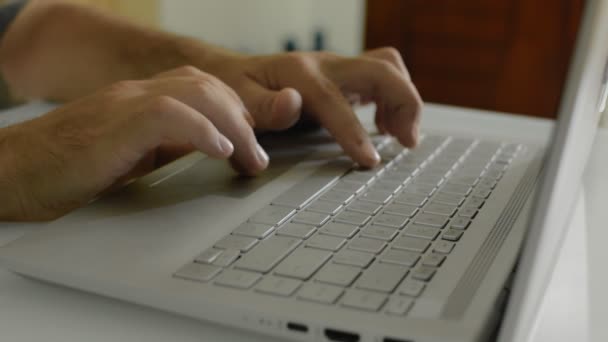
422 248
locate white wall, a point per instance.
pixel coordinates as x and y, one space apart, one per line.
261 26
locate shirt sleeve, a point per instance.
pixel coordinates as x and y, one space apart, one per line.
8 13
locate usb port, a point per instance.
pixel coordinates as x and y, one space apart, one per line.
341 336
301 328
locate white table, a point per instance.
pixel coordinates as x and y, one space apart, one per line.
30 310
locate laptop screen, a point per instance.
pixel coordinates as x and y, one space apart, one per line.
581 105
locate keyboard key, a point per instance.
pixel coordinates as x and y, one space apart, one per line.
361 178
458 189
452 235
267 254
487 182
388 220
363 300
198 272
398 306
400 257
420 189
443 247
297 230
339 275
310 217
422 232
208 256
387 185
368 208
367 245
474 202
339 229
254 230
376 196
411 287
325 242
302 263
411 244
272 215
227 257
424 273
447 198
379 232
320 293
460 222
326 207
241 243
481 193
353 258
411 199
465 180
278 286
350 187
395 176
401 209
352 217
337 196
303 192
467 212
433 260
441 209
237 279
433 220
382 277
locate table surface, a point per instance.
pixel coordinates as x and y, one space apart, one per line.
31 310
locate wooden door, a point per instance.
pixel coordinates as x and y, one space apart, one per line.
504 55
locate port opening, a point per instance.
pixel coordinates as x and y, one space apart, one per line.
298 327
391 339
341 336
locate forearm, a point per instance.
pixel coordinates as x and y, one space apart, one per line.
61 51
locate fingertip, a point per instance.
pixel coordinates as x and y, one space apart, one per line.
226 148
369 156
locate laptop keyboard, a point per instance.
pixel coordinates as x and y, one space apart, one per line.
368 240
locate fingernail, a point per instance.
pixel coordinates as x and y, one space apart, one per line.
262 156
370 151
225 145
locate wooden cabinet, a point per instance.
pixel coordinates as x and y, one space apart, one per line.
505 55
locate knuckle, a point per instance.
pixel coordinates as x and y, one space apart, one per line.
189 70
384 66
122 86
159 106
299 60
391 53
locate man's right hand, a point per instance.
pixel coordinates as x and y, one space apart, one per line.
64 159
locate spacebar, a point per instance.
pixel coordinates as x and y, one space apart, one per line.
301 193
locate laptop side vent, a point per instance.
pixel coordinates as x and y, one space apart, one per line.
463 293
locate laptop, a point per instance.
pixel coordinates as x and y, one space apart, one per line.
452 241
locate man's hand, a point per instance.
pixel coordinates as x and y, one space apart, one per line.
64 159
277 89
45 46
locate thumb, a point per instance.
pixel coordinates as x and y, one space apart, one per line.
272 110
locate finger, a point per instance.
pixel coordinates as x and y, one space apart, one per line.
272 110
397 100
164 118
332 110
188 71
391 55
222 107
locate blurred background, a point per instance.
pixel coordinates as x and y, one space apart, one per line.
505 55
